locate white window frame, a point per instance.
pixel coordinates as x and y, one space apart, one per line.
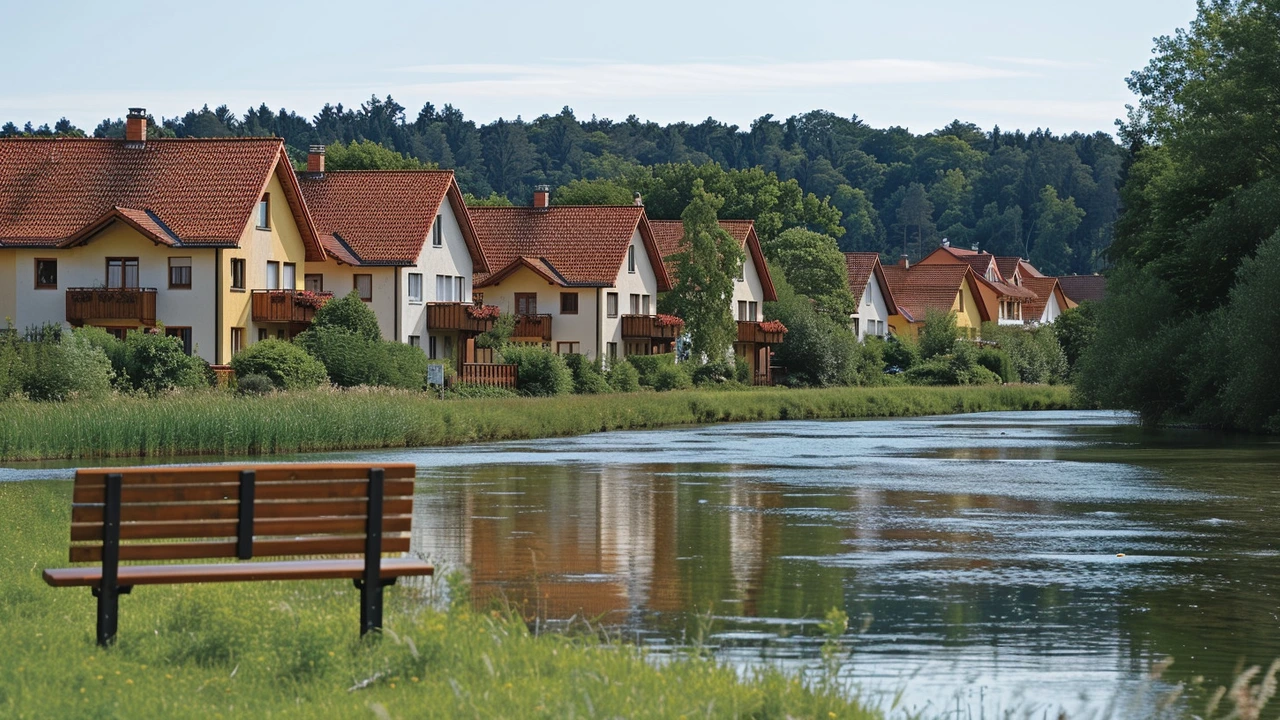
414 283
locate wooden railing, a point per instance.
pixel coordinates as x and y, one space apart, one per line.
533 326
647 327
284 305
84 304
750 331
455 316
488 374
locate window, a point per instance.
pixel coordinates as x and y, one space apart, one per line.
631 259
237 340
314 283
568 303
752 308
273 275
635 304
450 288
526 303
237 273
567 348
742 272
458 285
415 341
415 287
611 304
262 334
364 286
46 274
866 296
431 346
280 334
742 310
644 304
961 302
437 233
184 336
122 272
290 279
264 212
180 273
446 347
612 351
854 326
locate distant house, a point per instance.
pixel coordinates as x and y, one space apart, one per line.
751 290
404 241
870 288
1081 288
1003 295
139 232
1050 301
580 279
945 287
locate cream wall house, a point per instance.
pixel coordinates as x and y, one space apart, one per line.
868 285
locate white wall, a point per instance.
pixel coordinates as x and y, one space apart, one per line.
1051 309
642 282
749 289
452 258
872 307
340 280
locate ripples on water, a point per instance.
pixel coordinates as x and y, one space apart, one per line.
977 556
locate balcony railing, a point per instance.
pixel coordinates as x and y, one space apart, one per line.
750 331
649 327
287 306
488 374
456 316
85 304
529 327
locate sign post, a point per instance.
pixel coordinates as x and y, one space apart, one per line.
435 376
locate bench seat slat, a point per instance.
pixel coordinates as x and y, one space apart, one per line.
162 512
340 569
324 545
262 527
308 490
204 475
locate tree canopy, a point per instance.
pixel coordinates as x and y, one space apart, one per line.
708 261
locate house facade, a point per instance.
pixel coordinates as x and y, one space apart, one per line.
579 279
1001 292
751 290
135 233
945 287
404 242
870 287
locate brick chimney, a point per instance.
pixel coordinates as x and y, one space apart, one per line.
542 196
135 125
315 160
904 263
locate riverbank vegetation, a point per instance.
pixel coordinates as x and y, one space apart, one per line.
218 423
292 650
1190 330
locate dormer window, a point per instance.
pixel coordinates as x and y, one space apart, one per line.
264 212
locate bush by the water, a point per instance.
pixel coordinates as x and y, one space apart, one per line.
817 350
959 367
588 379
1036 355
350 313
623 376
286 365
254 384
671 377
539 372
716 372
50 364
998 362
939 334
901 353
346 340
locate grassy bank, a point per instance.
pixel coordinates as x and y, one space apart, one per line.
221 424
292 650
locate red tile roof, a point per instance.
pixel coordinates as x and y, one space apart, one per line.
580 245
193 192
1080 288
669 233
1043 287
384 217
860 266
1008 266
928 286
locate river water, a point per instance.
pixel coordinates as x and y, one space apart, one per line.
989 563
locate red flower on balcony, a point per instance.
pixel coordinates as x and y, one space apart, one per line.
483 312
669 321
311 299
773 326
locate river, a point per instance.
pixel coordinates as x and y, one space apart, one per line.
1025 562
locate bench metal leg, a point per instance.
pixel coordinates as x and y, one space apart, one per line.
109 592
371 583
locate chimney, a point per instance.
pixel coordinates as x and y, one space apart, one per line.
946 243
135 126
315 160
904 263
542 196
639 201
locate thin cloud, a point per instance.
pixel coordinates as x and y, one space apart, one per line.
1100 112
1042 62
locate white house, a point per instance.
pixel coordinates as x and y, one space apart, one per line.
875 299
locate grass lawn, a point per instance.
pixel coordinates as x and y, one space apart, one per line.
292 650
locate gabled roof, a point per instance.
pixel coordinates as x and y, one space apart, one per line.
669 233
1079 288
185 192
1043 287
384 217
931 286
861 266
981 262
1008 266
574 245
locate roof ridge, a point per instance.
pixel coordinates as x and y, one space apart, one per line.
391 171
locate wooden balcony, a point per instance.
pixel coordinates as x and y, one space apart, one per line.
488 374
286 306
88 304
750 331
648 327
456 316
532 327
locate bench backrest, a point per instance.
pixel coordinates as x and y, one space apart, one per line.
225 511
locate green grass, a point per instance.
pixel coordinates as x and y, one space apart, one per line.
292 650
215 423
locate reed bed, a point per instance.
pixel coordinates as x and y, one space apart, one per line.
292 650
216 423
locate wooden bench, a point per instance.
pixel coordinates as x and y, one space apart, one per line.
240 513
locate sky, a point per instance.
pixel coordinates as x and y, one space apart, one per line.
918 64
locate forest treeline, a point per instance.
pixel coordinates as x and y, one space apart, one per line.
1050 198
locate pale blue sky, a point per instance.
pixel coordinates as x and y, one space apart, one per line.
915 63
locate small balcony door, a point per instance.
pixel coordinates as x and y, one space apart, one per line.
122 273
290 279
526 303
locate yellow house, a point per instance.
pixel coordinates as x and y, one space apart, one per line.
580 279
945 287
193 235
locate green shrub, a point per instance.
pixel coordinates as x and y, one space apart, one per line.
156 363
671 377
285 364
254 384
716 372
349 313
623 376
114 349
538 371
742 371
587 377
10 367
398 365
648 366
869 363
1076 329
818 351
348 358
471 390
1036 354
52 369
939 333
960 367
901 352
998 362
